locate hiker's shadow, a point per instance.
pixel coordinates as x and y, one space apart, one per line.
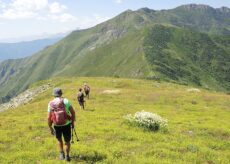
88 158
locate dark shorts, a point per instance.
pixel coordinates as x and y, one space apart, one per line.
81 103
87 92
63 130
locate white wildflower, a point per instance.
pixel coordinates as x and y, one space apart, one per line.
149 120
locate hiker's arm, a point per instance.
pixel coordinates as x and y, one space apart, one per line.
50 123
49 120
49 117
72 114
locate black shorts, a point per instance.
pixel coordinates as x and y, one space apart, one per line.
87 93
63 130
81 103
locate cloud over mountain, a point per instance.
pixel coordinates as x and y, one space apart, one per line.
35 9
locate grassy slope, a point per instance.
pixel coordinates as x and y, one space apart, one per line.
123 57
188 57
106 138
202 18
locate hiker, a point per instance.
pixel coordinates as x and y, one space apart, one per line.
62 116
80 98
87 90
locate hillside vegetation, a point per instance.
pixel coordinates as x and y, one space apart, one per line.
188 44
188 57
198 131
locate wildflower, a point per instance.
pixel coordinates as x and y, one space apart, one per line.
148 120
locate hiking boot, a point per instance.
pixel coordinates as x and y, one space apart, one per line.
67 158
62 155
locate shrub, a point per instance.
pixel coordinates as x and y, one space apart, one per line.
147 120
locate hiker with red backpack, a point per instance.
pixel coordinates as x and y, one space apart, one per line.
87 90
62 116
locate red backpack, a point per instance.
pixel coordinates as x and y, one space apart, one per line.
59 115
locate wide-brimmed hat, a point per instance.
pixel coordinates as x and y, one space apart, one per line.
57 92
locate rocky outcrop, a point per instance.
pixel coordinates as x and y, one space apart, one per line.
24 97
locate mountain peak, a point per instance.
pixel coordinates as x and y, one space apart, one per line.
195 7
224 9
128 11
146 9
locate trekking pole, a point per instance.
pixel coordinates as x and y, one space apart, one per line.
76 134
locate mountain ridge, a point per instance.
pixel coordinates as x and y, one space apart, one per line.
116 48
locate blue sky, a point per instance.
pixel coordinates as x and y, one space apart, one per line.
32 19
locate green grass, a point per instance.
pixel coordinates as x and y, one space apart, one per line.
199 129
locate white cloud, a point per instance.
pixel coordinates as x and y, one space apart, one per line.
12 14
2 5
29 5
57 8
119 1
63 17
35 9
67 17
52 17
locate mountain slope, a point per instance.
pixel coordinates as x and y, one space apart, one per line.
23 49
188 57
140 44
69 57
204 18
200 18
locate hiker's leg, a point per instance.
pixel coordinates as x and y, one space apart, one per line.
87 95
58 133
67 148
67 138
79 102
60 145
82 105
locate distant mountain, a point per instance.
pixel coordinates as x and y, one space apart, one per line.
24 49
201 18
188 44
